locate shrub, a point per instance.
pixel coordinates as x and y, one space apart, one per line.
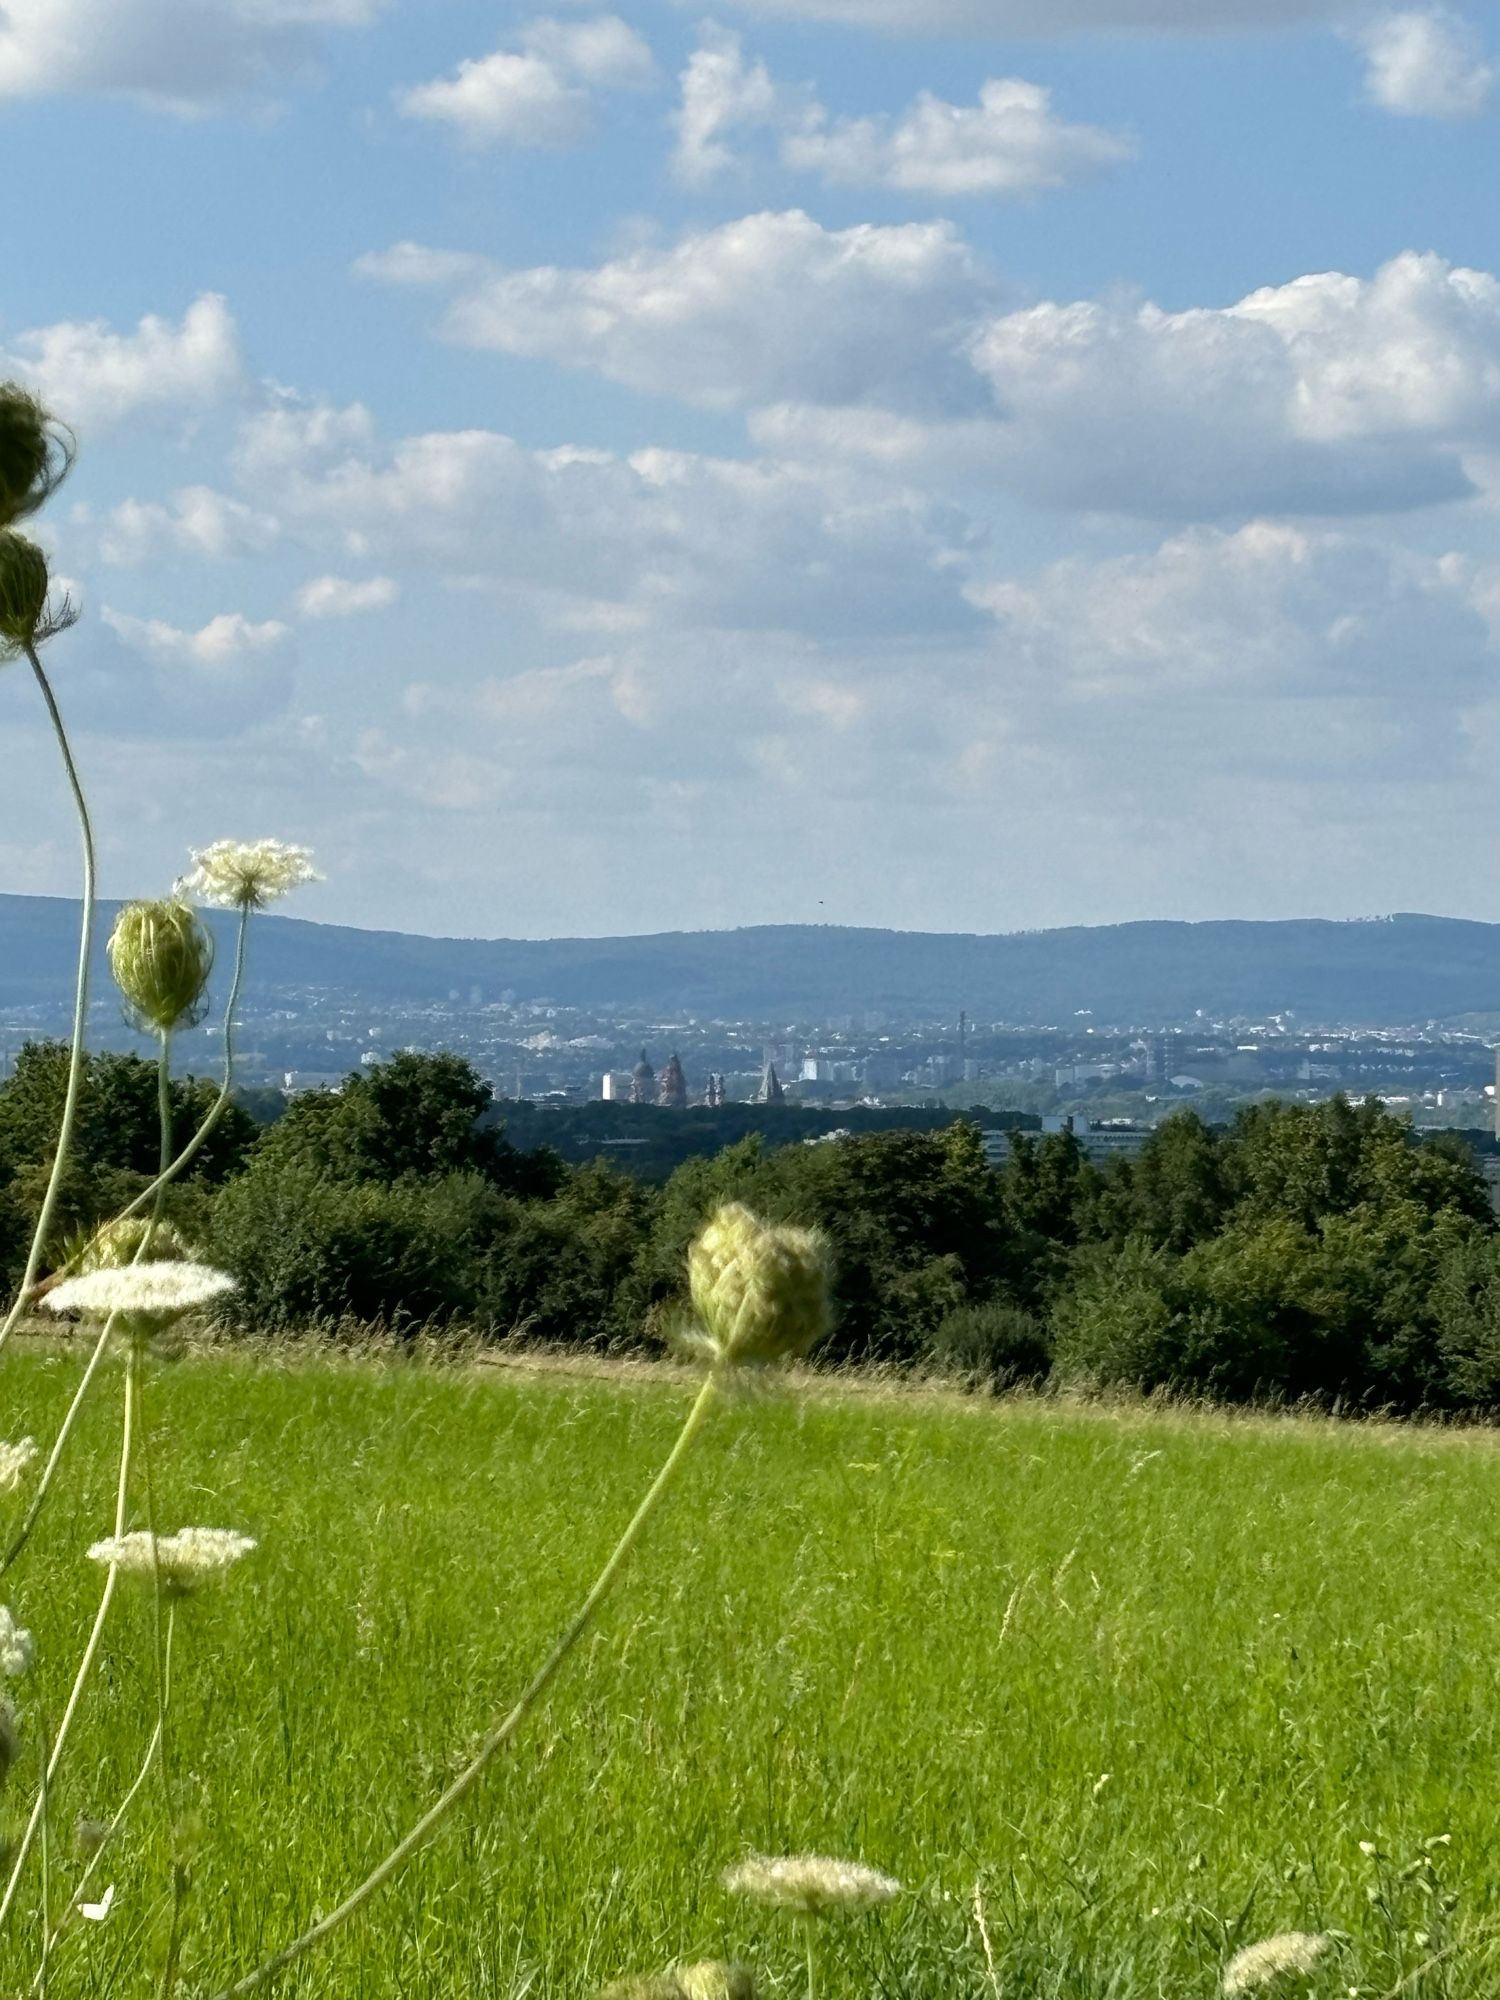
996 1344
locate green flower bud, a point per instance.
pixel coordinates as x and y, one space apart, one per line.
23 594
124 1241
760 1289
36 453
161 957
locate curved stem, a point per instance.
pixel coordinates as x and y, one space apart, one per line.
148 1764
85 1665
499 1736
80 1009
54 1457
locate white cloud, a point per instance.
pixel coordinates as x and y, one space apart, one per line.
1426 62
181 55
722 95
199 521
1331 394
1052 17
771 306
93 376
540 94
1010 143
215 647
344 597
655 540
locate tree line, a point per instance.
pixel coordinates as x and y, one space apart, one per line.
1320 1251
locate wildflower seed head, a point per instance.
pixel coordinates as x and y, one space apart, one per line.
714 1980
161 957
810 1885
191 1557
17 1647
14 1460
125 1240
246 874
24 582
759 1289
1291 1955
147 1297
36 453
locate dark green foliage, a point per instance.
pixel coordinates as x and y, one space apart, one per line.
996 1345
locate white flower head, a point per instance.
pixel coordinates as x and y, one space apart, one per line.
1292 1954
184 1560
812 1885
14 1459
151 1294
246 874
17 1647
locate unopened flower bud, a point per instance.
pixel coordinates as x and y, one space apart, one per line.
35 453
760 1289
23 594
161 957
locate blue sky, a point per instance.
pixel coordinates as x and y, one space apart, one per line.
967 464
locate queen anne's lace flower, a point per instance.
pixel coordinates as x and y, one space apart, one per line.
153 1293
184 1560
813 1885
14 1459
246 874
1291 1954
17 1647
759 1289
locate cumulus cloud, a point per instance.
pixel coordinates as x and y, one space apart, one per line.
219 645
180 55
1426 62
345 597
1011 142
771 306
198 521
94 376
1332 394
540 93
655 539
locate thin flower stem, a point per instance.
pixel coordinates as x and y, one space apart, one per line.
498 1737
812 1961
41 1972
54 1457
148 1765
80 1010
86 1664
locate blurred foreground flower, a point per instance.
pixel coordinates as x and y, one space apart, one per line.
246 874
17 1647
184 1560
810 1885
759 1289
148 1297
36 452
712 1980
1292 1954
14 1459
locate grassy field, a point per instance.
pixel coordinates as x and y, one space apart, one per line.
1156 1683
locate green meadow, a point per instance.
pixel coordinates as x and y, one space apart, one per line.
1112 1691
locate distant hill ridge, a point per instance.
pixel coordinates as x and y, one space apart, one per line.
1385 972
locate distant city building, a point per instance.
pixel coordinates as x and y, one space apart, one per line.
770 1091
714 1095
881 1072
643 1082
817 1069
616 1085
671 1091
